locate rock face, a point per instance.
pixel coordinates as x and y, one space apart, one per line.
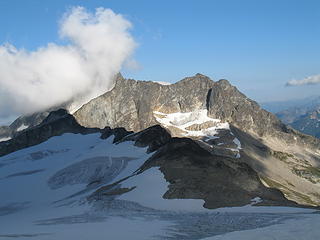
153 137
225 102
130 104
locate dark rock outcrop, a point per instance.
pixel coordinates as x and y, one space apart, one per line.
24 122
153 137
194 173
118 133
55 124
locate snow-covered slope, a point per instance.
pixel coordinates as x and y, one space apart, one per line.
303 226
37 183
46 193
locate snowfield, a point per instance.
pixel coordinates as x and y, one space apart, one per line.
5 139
184 120
207 128
304 227
44 192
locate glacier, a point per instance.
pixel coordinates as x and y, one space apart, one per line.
45 194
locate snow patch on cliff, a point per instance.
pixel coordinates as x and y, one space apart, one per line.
22 127
183 121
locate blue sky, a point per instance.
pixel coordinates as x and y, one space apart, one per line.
257 45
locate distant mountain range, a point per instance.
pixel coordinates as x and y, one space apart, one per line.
303 115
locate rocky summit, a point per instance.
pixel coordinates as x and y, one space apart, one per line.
211 126
134 105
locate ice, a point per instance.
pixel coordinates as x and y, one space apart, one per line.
303 227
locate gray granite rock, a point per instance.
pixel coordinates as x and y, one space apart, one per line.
130 104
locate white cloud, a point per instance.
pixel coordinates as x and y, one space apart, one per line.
315 79
99 45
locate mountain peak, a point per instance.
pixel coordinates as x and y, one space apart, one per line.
131 104
199 75
196 78
224 82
